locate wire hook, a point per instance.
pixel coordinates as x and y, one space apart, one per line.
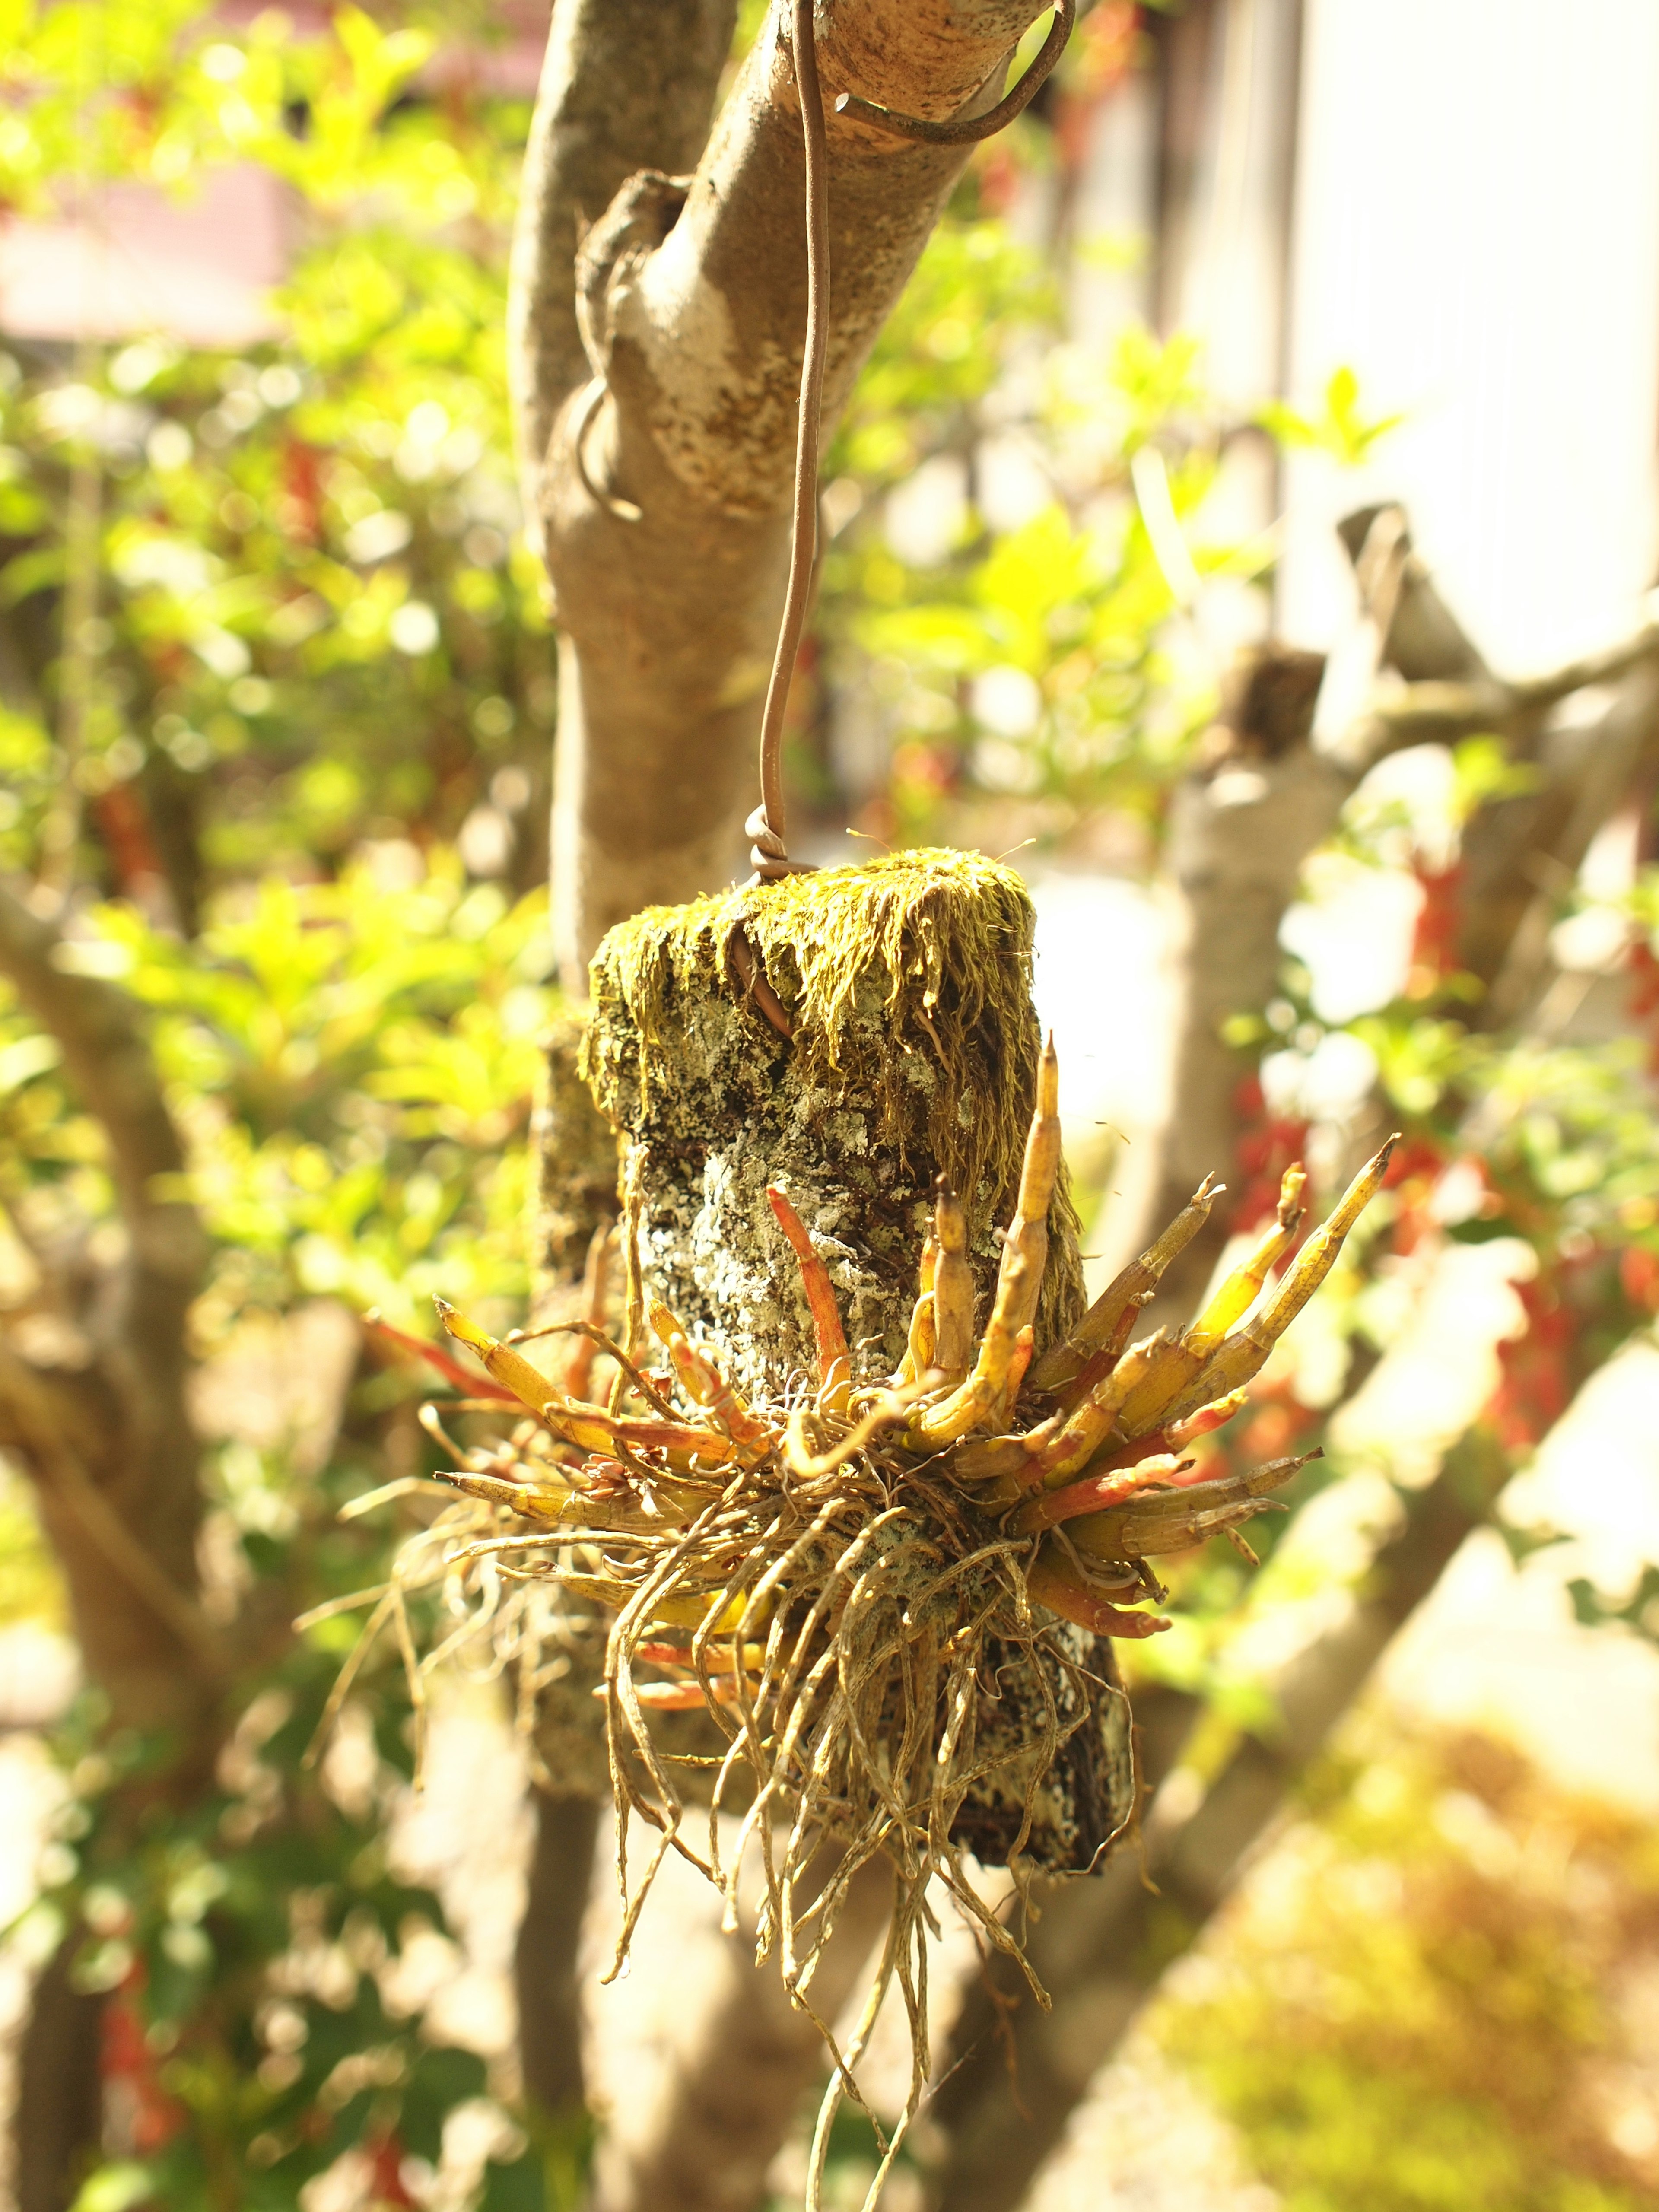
965 129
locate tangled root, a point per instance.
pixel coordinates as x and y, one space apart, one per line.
824 1579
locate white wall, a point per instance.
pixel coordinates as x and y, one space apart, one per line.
1477 232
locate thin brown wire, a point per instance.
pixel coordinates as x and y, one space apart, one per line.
769 851
770 854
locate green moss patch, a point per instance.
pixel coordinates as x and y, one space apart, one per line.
909 983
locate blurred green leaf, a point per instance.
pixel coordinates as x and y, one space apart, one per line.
1341 430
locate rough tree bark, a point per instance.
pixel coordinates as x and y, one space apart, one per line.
1089 1945
656 384
626 85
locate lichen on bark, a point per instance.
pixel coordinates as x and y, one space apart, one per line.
1087 1797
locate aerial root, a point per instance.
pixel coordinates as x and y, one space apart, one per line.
836 1636
822 1580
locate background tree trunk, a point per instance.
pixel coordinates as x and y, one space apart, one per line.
60 2114
743 2061
1239 861
105 1435
545 1957
1013 2075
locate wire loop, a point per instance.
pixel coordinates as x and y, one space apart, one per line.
768 852
766 825
965 129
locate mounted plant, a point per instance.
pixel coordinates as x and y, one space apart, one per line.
891 1593
845 1038
887 1571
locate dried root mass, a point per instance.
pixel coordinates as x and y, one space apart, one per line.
838 1580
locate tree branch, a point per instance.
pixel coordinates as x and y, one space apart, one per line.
1441 714
626 85
1422 638
1239 859
1018 2071
704 339
108 1063
666 493
1243 825
1543 851
47 1421
109 1445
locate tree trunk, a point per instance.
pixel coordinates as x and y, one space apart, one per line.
743 2060
545 1958
656 387
59 2089
1240 828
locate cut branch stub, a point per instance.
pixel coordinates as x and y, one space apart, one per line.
912 1051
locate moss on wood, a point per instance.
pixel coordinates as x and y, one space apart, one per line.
906 984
